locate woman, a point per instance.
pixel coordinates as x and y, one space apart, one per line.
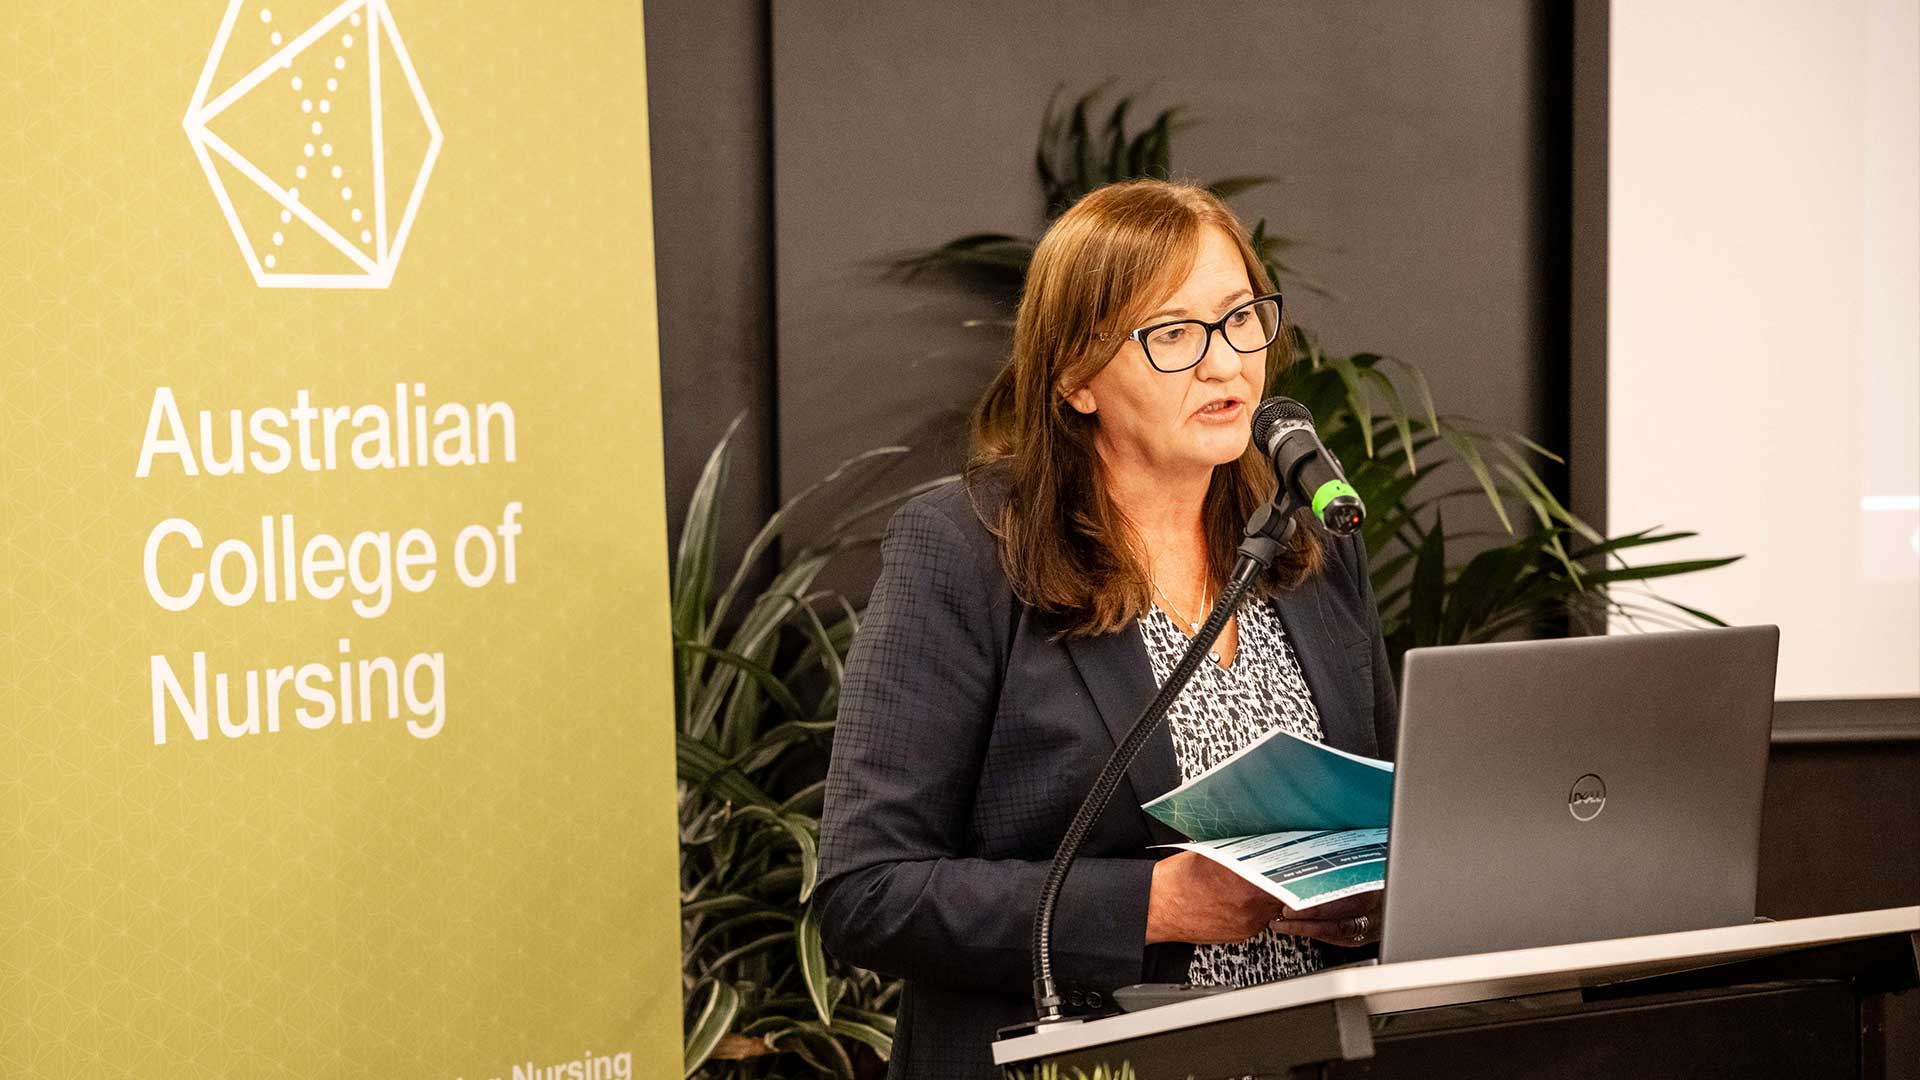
1024 617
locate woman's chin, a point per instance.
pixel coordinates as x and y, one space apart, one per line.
1222 447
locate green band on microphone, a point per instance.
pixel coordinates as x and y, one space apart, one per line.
1330 491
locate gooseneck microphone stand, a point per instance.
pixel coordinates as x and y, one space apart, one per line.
1266 534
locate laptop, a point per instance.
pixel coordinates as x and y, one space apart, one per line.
1556 791
1548 792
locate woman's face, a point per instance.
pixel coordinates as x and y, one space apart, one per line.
1190 420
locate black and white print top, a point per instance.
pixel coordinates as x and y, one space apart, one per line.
1218 713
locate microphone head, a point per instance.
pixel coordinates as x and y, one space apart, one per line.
1274 412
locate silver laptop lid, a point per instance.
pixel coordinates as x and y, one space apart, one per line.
1575 790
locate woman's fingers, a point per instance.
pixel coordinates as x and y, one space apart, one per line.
1359 929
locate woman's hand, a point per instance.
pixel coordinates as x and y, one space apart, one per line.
1352 921
1196 899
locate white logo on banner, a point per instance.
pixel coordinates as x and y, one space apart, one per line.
303 148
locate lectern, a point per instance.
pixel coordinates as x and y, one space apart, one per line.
1799 998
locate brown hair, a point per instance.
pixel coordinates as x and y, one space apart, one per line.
1065 547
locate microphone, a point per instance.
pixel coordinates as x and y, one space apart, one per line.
1284 429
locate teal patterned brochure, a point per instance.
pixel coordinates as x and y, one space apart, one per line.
1303 821
1280 782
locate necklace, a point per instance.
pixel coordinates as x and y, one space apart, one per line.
1212 654
1194 624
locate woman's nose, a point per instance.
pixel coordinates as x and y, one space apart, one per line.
1219 361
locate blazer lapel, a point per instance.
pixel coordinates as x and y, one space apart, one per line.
1119 675
1323 661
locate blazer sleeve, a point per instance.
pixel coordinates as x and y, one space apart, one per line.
898 891
1386 698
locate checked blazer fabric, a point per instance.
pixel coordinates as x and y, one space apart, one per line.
967 738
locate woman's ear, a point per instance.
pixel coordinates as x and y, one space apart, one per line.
1082 401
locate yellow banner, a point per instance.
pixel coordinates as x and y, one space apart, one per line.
337 682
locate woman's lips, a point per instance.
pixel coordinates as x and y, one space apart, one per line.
1221 414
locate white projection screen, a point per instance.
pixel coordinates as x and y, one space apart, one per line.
1763 325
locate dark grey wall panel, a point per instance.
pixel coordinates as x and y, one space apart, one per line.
1837 834
1406 137
707 111
1587 322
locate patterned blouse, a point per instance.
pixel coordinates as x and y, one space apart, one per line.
1220 711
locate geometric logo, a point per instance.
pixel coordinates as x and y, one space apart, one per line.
1587 797
317 138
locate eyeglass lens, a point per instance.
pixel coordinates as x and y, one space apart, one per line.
1180 345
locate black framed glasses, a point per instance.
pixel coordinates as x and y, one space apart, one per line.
1178 345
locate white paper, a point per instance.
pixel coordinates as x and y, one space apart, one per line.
1305 869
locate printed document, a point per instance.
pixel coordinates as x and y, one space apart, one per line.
1300 819
1304 869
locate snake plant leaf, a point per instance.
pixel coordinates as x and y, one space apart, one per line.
752 638
777 522
880 1041
804 833
868 509
839 639
885 1023
819 1049
783 882
714 1020
703 767
756 638
725 927
819 639
759 944
746 709
813 963
760 673
719 904
699 535
777 741
807 800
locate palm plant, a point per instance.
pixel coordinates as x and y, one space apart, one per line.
1377 416
1077 153
755 692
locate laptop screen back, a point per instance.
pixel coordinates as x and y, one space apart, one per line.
1576 790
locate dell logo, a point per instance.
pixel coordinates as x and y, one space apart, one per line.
1588 798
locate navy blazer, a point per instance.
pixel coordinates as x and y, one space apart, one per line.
966 740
